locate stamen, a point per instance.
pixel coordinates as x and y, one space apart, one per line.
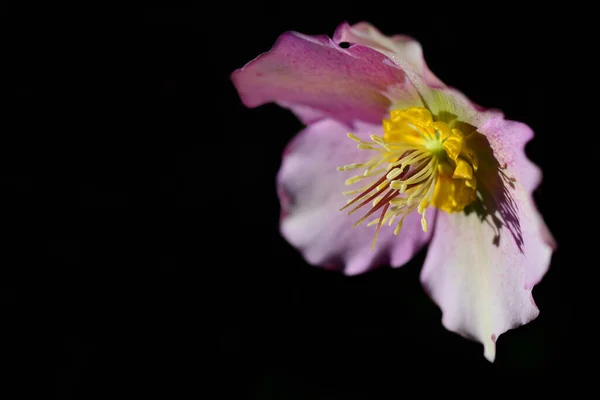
399 226
393 173
375 165
379 226
364 146
369 172
399 184
410 159
355 138
349 192
377 139
373 186
368 200
424 171
350 166
420 163
385 200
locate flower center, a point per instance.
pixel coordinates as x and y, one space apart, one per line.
420 162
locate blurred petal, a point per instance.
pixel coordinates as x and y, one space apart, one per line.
397 46
316 78
482 264
310 189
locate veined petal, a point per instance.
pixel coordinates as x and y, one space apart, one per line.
310 189
316 78
398 46
482 264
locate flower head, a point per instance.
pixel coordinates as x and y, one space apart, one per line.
421 164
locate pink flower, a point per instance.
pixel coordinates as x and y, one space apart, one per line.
429 166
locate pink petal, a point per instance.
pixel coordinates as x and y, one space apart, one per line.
397 46
316 78
484 286
310 190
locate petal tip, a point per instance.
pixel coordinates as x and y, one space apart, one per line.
241 80
489 348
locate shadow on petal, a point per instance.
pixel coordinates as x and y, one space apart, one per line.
495 204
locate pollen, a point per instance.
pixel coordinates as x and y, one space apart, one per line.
417 163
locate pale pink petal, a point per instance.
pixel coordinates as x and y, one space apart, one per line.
481 266
310 190
316 78
507 140
398 46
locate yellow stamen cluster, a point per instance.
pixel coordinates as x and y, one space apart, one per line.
420 162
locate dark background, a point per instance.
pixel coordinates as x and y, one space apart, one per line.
150 188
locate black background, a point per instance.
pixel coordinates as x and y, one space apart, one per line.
151 190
